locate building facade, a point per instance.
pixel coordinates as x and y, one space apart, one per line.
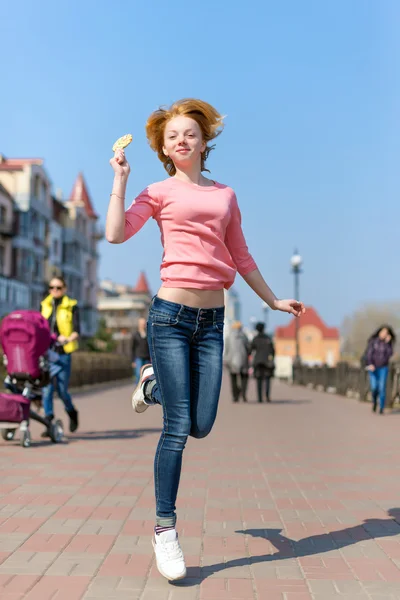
122 305
44 236
318 343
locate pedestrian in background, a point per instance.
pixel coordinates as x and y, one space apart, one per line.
140 347
237 350
378 355
263 362
62 313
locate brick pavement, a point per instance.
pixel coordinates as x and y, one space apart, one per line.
295 500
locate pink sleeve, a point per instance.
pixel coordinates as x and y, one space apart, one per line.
236 243
144 206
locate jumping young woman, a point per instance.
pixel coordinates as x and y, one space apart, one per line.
204 247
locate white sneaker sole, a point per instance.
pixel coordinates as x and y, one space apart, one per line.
138 404
176 578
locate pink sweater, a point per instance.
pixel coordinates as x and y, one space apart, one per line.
201 233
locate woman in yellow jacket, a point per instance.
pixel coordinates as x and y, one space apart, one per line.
63 316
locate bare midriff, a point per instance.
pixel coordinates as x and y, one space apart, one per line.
193 297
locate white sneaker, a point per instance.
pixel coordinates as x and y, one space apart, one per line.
138 399
169 556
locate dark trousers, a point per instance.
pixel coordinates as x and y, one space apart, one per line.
263 382
237 388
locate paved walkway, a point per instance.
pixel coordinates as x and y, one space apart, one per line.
296 500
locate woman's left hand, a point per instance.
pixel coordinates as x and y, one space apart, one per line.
294 307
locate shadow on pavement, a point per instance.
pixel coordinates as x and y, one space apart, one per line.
309 546
112 434
290 401
277 402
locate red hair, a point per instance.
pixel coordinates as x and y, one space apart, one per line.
206 116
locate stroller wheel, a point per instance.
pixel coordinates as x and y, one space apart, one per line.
8 434
57 432
25 439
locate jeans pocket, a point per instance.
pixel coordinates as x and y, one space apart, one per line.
219 326
163 319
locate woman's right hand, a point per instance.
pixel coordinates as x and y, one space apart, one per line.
119 164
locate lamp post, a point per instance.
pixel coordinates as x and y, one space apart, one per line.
296 261
265 308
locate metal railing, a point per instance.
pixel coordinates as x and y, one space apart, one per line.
347 380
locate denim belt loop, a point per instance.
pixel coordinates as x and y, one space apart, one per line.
180 311
214 316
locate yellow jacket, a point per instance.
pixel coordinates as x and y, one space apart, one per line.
64 318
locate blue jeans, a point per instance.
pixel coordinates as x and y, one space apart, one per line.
139 362
62 380
377 380
186 346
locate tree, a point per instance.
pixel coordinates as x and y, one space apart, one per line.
102 341
358 327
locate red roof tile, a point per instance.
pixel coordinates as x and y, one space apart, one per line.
17 164
80 194
142 285
25 161
311 317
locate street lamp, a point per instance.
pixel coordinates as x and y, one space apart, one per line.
296 261
265 307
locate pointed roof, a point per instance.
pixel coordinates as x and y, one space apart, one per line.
80 195
311 317
142 285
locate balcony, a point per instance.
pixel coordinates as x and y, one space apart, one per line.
72 235
14 295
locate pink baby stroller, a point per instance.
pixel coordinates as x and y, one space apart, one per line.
26 340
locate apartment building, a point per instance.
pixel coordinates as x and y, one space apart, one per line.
42 235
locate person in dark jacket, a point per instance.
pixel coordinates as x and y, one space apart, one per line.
236 358
379 352
263 361
140 348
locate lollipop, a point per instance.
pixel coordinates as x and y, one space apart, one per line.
122 142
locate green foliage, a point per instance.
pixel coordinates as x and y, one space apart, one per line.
102 341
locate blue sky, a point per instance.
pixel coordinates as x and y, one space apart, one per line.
311 143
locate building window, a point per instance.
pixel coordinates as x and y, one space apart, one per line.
37 187
309 338
24 228
55 248
2 260
43 191
37 268
3 215
42 229
36 224
3 291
